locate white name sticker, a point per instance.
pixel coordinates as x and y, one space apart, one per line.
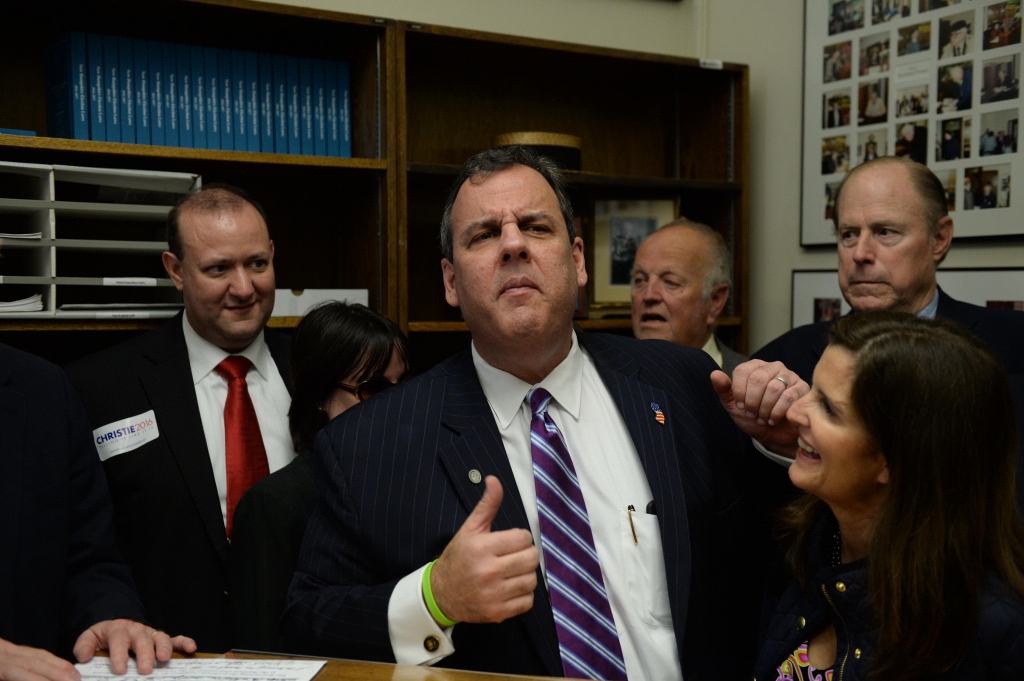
129 281
124 436
122 315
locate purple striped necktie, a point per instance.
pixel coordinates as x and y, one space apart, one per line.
587 638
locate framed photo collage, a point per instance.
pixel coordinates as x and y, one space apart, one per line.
934 80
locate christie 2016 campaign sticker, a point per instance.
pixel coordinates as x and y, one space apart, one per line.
124 436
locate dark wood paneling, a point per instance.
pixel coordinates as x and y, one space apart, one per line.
427 195
704 118
461 93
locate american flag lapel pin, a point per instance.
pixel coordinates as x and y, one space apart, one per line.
659 415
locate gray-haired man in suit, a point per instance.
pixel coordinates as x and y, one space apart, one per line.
681 283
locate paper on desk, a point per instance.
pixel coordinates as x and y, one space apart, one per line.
213 669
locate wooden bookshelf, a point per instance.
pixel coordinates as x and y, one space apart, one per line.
424 98
651 126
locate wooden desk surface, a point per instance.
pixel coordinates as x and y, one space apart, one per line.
353 670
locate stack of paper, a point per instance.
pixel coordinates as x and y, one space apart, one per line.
31 304
29 235
215 669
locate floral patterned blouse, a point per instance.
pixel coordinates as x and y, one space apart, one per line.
797 667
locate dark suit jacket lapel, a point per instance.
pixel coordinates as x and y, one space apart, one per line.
168 384
476 444
963 314
660 449
12 457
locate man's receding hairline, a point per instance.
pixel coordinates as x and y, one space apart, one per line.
707 239
220 210
485 175
235 204
907 174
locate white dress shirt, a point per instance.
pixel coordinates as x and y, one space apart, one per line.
269 396
611 477
711 347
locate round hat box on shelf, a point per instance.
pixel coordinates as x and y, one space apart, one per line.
562 149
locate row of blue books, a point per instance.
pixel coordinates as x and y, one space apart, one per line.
115 89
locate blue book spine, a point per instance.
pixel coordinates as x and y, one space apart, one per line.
331 83
79 86
111 91
344 111
143 126
280 105
58 88
126 88
97 103
238 99
294 106
67 82
212 100
252 101
319 108
306 106
198 96
156 93
170 65
225 110
266 103
185 124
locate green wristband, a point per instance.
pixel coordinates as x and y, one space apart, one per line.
428 596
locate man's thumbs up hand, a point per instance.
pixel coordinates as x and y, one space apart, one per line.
485 576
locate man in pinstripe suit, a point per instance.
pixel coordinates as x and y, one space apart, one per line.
437 539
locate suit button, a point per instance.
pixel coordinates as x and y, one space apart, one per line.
800 623
475 477
856 653
431 644
840 587
225 593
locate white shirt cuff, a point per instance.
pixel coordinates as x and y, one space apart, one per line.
783 461
410 624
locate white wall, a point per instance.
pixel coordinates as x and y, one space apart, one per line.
767 35
664 26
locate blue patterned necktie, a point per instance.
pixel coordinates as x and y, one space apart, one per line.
587 637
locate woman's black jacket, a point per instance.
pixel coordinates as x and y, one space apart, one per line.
791 614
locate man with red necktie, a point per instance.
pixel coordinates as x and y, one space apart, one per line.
189 416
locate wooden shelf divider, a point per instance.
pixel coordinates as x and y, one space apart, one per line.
146 150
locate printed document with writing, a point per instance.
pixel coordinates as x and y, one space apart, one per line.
213 669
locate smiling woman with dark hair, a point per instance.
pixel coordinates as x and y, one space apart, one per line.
341 355
905 560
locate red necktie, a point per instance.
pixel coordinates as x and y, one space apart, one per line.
243 443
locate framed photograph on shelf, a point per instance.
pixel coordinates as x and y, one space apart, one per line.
619 228
817 298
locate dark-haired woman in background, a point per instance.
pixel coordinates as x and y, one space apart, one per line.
341 354
906 559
